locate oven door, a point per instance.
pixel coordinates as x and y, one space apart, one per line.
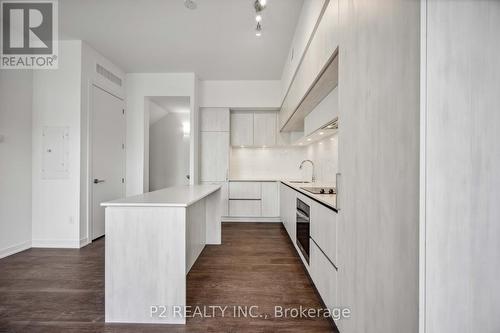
303 228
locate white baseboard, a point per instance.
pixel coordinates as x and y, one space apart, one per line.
59 243
251 219
14 249
84 242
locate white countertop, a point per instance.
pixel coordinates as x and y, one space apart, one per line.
177 196
328 199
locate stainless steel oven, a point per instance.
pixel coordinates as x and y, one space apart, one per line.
303 228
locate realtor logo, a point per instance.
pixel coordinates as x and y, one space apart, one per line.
29 38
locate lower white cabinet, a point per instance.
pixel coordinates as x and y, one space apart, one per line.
324 275
324 229
245 190
288 207
254 199
270 199
224 200
245 208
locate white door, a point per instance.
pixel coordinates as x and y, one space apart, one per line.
108 154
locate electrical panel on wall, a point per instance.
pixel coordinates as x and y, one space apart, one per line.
55 152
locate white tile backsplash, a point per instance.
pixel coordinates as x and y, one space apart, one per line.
324 153
283 162
268 163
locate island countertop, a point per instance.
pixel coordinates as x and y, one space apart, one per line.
177 196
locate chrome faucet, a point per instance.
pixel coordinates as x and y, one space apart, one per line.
313 178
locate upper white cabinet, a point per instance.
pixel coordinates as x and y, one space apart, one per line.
264 129
214 156
255 129
315 64
330 32
214 119
242 128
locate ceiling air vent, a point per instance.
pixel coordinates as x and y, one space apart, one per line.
108 75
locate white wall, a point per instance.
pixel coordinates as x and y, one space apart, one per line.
240 94
284 162
379 161
57 102
138 87
168 152
461 167
308 19
16 89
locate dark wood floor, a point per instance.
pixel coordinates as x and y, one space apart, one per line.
53 290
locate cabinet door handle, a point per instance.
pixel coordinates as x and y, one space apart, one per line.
97 181
337 187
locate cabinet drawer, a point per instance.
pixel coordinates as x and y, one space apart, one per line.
324 276
245 208
324 230
244 190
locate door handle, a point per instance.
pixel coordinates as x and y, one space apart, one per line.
97 181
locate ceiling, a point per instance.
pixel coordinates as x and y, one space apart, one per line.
166 105
216 41
176 104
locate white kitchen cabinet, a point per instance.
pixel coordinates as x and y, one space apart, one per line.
324 230
324 276
245 190
214 119
320 50
245 208
282 201
270 199
264 128
224 198
331 30
214 156
288 205
242 128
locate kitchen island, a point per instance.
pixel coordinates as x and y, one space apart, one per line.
152 241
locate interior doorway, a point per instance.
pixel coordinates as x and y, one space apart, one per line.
169 141
107 135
